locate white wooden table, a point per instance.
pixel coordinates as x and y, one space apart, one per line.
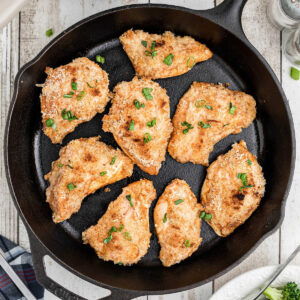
24 37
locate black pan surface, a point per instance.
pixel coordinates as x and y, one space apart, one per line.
30 153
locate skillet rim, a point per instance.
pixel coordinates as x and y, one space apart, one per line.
209 15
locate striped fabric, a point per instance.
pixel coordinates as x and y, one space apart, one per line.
21 262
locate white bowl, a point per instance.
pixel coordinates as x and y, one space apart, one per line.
242 285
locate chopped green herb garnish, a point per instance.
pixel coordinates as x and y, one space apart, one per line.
71 186
185 131
190 62
67 115
60 165
70 166
187 243
107 240
246 186
121 227
131 125
113 160
50 122
178 201
127 236
151 123
204 125
49 32
74 86
243 177
148 53
169 59
103 173
207 217
138 104
88 84
120 263
188 125
68 96
128 197
81 95
147 93
202 214
147 138
165 218
232 108
249 162
144 43
154 53
153 45
113 229
100 59
295 73
202 103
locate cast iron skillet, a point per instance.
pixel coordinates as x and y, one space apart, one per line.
29 153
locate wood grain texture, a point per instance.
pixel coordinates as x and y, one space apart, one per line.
9 61
29 36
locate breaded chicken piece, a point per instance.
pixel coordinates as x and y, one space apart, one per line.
84 166
72 94
177 223
140 121
122 234
232 190
161 56
206 114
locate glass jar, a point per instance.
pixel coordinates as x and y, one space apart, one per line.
284 13
291 46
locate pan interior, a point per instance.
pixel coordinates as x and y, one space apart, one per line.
119 68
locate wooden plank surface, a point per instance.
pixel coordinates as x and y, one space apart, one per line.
27 33
9 62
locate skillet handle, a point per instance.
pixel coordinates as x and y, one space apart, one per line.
38 252
228 14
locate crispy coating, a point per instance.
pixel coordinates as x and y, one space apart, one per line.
186 52
84 166
130 125
177 226
222 195
89 98
130 240
213 111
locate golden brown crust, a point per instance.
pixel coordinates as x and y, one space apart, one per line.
183 49
126 248
196 145
90 79
179 230
81 163
222 196
148 156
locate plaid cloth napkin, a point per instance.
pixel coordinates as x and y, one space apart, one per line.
21 262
